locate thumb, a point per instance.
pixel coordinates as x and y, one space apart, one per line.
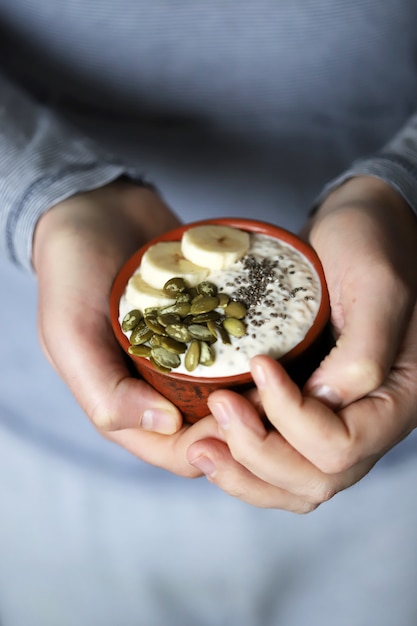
92 365
369 318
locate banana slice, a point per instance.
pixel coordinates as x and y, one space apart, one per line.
140 295
164 260
214 246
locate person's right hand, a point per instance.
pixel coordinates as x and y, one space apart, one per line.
79 246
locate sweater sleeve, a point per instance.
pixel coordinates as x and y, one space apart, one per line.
395 163
42 162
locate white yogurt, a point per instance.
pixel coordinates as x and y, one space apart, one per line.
282 292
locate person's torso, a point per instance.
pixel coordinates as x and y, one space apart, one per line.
220 64
231 107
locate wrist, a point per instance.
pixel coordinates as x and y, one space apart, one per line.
364 191
119 216
369 197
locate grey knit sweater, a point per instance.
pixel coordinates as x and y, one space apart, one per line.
303 93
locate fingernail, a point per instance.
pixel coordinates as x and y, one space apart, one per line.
159 421
204 464
258 375
220 414
327 395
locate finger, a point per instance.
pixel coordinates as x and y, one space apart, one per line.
332 442
261 468
266 454
166 452
252 395
213 458
272 455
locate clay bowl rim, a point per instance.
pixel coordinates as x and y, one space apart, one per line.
251 226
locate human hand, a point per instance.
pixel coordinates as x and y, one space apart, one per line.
366 237
365 390
79 246
312 452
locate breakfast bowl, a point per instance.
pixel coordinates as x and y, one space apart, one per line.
191 307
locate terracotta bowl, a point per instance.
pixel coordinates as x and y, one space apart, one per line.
190 393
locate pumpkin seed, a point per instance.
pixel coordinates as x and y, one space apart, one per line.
178 332
140 334
140 350
160 368
192 356
168 318
204 305
197 298
173 345
131 320
207 356
155 340
152 323
218 331
223 299
224 335
165 358
213 328
179 308
184 297
235 309
197 331
234 327
174 286
203 318
206 288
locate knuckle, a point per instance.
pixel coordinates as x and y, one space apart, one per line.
368 373
304 507
103 420
236 489
241 455
340 454
320 491
336 463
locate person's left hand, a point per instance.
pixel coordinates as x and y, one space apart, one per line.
313 452
362 399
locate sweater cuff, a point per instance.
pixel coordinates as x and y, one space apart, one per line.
390 167
49 190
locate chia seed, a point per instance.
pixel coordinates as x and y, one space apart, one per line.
255 280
